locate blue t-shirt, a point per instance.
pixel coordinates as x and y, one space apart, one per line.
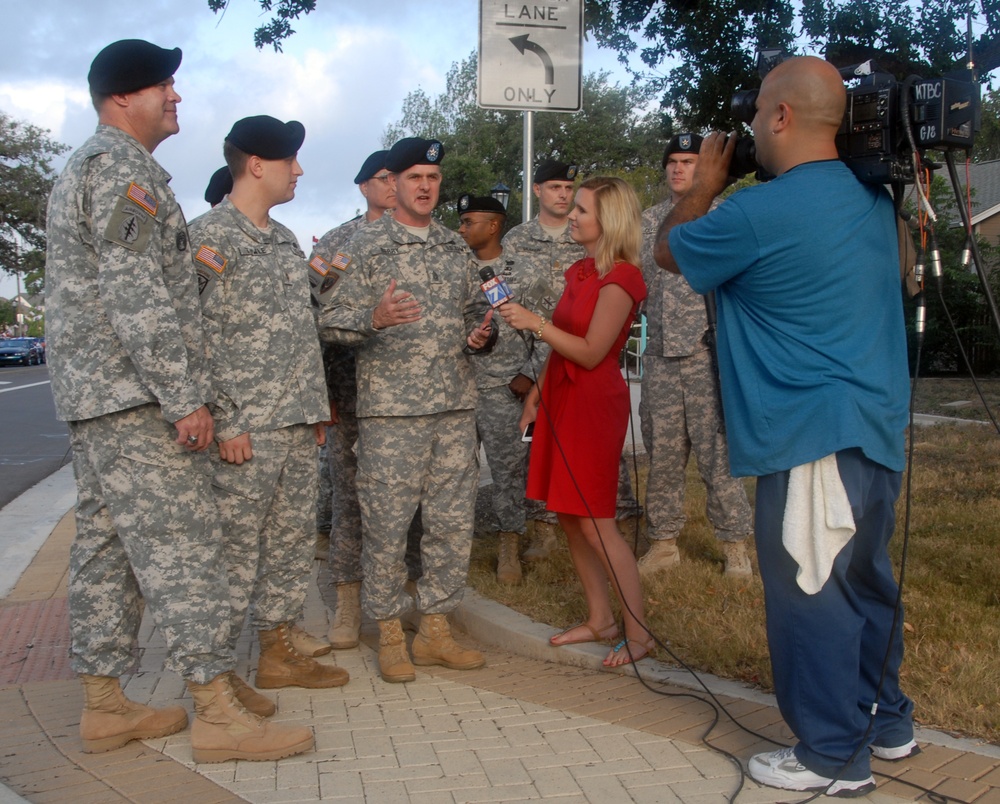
812 348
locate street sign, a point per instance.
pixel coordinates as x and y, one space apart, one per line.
531 55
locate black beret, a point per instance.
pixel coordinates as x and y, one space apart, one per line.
411 151
219 186
267 137
551 170
682 144
130 65
482 203
373 164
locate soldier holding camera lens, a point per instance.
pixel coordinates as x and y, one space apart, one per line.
812 357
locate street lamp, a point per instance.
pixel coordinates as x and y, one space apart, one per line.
501 192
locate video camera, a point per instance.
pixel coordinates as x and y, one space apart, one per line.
886 121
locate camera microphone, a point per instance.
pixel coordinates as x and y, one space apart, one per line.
496 289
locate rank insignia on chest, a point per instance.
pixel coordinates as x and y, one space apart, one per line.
319 265
340 261
213 259
143 198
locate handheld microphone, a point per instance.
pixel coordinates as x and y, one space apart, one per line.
496 289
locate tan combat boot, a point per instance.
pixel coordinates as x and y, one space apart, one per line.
546 540
251 700
508 561
662 555
322 545
393 660
737 560
306 644
345 630
433 645
224 730
110 720
280 665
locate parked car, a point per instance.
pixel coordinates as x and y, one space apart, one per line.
21 350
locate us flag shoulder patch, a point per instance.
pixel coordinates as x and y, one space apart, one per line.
143 198
319 265
213 259
341 261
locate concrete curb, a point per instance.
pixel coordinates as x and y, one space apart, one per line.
25 523
495 624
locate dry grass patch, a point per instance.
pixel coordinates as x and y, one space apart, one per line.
952 596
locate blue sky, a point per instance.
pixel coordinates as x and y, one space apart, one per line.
344 75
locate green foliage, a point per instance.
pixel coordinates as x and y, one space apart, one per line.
715 43
612 135
961 294
26 179
988 139
277 29
7 314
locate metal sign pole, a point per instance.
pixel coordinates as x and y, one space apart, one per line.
528 136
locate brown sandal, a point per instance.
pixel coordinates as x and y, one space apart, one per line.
611 632
639 652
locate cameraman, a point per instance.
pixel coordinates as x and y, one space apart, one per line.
812 355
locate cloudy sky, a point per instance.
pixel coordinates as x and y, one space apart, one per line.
344 75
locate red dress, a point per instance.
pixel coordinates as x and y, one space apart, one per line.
583 416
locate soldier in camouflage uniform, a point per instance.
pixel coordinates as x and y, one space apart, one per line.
130 376
680 410
406 300
340 578
544 249
267 409
500 376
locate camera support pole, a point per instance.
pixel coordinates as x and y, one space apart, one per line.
967 224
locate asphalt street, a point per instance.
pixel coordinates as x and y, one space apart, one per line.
33 444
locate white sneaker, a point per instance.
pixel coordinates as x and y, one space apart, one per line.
782 769
910 749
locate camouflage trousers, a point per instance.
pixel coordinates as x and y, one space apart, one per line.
680 413
266 506
497 415
343 564
146 527
324 496
405 461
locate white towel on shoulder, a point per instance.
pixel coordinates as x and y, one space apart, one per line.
818 521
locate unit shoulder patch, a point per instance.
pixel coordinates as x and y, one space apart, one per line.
130 225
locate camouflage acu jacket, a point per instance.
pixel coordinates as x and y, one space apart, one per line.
267 370
123 322
411 369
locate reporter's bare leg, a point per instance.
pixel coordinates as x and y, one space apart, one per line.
619 566
590 570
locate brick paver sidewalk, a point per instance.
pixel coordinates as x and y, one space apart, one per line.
517 729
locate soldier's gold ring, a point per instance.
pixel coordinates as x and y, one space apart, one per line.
192 439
